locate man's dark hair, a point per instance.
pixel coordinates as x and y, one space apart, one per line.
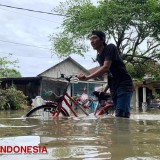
100 34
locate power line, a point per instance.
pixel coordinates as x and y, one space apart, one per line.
31 10
50 57
89 55
24 44
30 16
17 56
34 46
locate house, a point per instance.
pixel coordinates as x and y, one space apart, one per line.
144 92
30 86
71 67
49 81
67 67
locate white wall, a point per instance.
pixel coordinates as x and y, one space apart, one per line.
67 68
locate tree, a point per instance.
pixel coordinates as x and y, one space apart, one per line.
6 69
134 25
145 67
10 73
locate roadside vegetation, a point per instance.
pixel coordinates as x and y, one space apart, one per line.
10 98
8 68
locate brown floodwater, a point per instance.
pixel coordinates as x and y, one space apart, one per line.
83 138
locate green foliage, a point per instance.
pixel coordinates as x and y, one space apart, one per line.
139 70
11 99
156 96
6 69
132 24
67 46
9 73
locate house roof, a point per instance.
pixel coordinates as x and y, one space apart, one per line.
20 78
67 59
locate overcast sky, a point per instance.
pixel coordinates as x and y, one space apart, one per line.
25 35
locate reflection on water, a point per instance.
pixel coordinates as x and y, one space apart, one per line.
83 138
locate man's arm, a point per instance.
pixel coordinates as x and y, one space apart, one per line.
106 88
103 69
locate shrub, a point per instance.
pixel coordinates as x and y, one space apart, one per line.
11 99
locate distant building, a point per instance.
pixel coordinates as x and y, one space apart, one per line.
49 81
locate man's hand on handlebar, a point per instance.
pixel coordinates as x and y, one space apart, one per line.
82 77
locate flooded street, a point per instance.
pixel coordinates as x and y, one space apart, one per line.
83 138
